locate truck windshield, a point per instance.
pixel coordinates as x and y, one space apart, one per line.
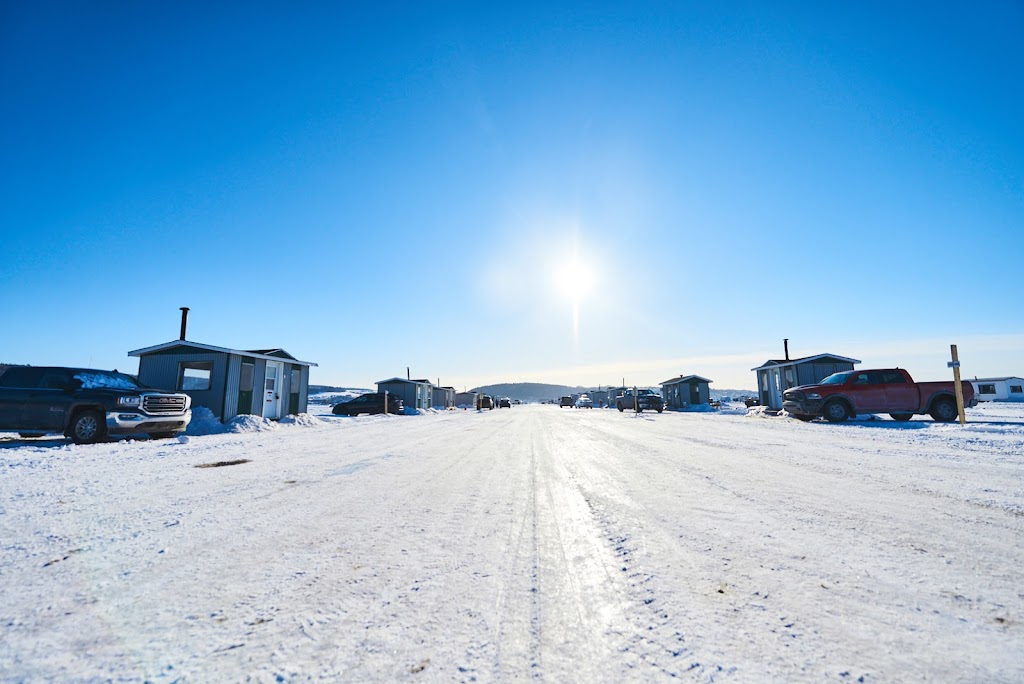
836 378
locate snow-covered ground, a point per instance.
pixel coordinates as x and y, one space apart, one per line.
533 543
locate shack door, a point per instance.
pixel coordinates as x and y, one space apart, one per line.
245 380
272 390
295 378
694 393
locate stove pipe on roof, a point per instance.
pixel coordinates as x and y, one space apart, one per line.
785 345
184 321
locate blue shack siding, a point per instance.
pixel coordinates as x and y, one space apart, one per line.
163 371
812 373
259 378
303 388
403 390
234 371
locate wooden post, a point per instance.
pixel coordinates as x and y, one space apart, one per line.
385 402
957 388
636 401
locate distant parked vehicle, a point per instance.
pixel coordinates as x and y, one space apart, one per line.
504 402
87 405
372 403
645 399
565 401
486 402
584 402
844 395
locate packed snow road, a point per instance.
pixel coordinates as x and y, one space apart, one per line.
532 543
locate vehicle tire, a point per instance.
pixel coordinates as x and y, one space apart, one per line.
944 410
660 410
639 409
836 412
620 408
165 435
86 427
807 418
901 417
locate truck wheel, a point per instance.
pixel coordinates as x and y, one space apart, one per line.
836 412
86 427
620 408
944 410
804 417
660 410
901 417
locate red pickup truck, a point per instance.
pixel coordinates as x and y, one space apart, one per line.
891 390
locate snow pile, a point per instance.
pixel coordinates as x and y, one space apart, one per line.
96 380
249 423
733 409
760 412
204 423
302 420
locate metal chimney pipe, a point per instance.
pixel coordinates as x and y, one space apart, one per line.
184 321
407 376
785 344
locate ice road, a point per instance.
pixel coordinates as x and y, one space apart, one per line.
536 543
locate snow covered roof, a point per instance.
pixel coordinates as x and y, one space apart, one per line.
685 378
773 363
268 354
1002 379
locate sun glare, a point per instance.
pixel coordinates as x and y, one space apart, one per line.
575 282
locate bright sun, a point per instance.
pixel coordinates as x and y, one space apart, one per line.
574 279
575 282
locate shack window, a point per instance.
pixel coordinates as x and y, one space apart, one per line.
1016 389
245 377
295 380
986 389
195 375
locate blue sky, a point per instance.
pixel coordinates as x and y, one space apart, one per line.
376 188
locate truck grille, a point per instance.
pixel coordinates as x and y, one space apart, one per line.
163 404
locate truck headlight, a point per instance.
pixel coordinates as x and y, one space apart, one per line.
129 401
814 395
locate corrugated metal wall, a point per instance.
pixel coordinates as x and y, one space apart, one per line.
162 371
812 373
231 395
403 390
258 390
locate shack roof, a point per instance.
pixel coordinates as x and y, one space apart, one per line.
267 354
686 378
776 363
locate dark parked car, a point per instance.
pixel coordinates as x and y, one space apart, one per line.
504 402
86 404
372 402
566 401
486 402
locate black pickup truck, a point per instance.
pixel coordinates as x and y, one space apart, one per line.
87 405
644 399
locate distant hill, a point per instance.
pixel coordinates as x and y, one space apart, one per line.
326 394
726 393
529 391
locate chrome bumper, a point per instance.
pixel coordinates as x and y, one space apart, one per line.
129 422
